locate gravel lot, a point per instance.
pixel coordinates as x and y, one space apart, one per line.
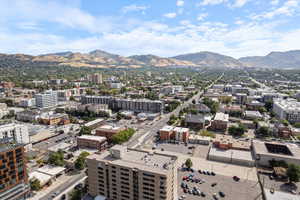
242 190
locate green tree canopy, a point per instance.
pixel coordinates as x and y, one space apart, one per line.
35 184
237 130
85 131
80 161
123 136
293 173
57 158
188 163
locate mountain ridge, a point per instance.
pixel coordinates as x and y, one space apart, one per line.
102 59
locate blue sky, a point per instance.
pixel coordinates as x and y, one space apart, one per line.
162 27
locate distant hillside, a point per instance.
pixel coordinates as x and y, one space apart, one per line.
288 59
152 60
210 59
102 59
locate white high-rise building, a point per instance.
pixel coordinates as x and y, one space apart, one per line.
288 109
18 132
46 100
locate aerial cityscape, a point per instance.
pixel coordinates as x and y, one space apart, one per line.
149 100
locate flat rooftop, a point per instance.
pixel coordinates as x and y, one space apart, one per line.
167 128
277 149
94 122
108 127
132 158
232 153
51 170
92 137
221 117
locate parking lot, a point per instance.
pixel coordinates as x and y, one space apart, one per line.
241 190
280 185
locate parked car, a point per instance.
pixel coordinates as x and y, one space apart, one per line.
221 194
236 178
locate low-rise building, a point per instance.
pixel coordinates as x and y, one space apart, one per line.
92 142
252 114
220 122
226 142
95 123
266 151
108 131
198 139
169 133
28 116
3 110
54 119
28 102
195 121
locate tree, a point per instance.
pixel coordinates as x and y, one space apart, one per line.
35 184
263 131
85 131
293 173
72 98
123 136
285 122
237 130
269 105
57 158
297 125
119 116
188 163
80 161
75 194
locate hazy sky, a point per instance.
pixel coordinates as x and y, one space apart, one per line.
162 27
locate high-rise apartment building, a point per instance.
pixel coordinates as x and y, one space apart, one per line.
46 100
18 132
95 78
288 109
13 177
130 174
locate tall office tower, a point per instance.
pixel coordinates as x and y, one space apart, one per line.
13 176
130 174
46 100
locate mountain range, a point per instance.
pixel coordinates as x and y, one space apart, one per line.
102 59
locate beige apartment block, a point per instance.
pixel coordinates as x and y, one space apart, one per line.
130 174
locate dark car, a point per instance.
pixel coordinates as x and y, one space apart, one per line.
221 194
213 184
236 178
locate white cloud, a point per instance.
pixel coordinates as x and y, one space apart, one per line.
170 15
289 8
211 2
202 16
134 8
239 3
180 3
274 2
